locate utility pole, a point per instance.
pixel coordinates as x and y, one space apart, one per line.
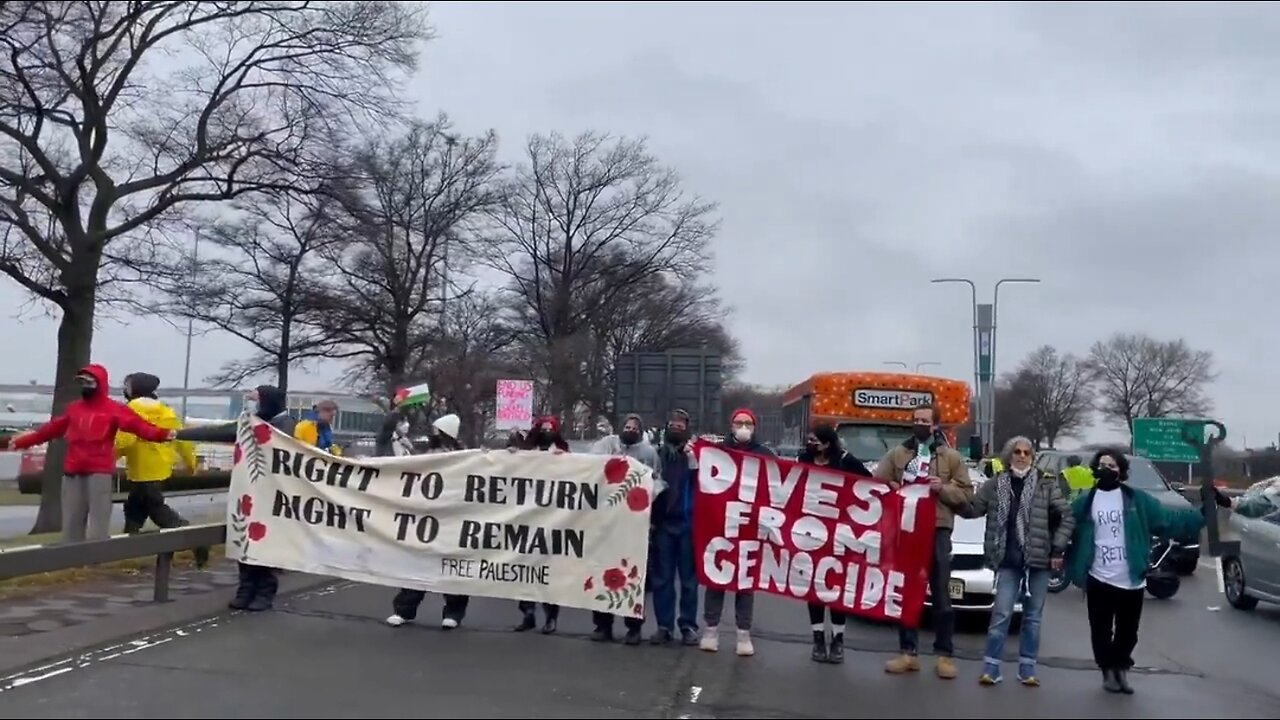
186 369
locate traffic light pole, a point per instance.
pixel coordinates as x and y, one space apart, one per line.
1194 434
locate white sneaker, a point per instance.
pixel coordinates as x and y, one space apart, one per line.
710 639
745 648
396 621
448 623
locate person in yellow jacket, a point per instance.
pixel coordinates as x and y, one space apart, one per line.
317 430
1079 479
149 464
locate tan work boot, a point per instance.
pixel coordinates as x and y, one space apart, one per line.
904 663
947 668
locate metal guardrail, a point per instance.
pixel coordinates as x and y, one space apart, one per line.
37 559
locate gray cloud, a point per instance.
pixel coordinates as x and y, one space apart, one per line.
1120 152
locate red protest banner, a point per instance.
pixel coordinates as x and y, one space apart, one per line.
801 531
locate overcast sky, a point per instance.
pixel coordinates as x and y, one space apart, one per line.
1122 153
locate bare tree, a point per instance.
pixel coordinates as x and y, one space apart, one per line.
115 116
254 283
1053 394
1139 376
464 362
584 223
763 402
662 313
410 245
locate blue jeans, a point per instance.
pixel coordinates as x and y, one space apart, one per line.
672 563
1009 590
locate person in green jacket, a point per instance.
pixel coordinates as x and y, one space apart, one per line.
1110 555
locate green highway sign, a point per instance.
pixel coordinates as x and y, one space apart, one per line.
1161 439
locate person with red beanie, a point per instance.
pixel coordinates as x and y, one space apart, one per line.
89 426
545 436
742 437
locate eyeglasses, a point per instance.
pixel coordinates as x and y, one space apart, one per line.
1019 452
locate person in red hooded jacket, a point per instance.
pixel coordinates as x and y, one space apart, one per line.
545 435
89 426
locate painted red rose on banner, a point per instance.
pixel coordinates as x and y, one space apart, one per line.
621 588
237 455
245 505
615 579
638 499
262 433
810 533
257 531
615 470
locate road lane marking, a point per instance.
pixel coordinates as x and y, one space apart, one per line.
1216 566
690 712
82 660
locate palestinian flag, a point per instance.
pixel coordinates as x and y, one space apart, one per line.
413 396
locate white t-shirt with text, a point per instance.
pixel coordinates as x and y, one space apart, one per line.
1110 558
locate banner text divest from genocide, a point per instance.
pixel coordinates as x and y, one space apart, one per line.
802 531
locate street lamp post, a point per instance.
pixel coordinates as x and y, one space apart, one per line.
984 352
995 309
919 365
973 294
186 366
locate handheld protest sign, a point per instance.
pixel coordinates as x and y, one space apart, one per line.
1205 436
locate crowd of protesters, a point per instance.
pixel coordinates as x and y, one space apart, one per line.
1095 528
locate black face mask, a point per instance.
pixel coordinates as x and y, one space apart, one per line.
812 449
543 439
1107 478
87 392
923 433
630 437
675 437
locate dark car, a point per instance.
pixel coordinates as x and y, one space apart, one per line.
1146 477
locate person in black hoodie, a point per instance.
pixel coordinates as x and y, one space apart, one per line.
404 605
543 436
671 537
742 437
823 448
258 585
392 439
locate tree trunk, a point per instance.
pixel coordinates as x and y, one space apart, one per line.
282 357
282 373
75 339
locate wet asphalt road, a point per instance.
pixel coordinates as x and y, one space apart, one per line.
326 654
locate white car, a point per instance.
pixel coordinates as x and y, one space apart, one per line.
972 586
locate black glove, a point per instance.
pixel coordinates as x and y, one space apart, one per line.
1221 499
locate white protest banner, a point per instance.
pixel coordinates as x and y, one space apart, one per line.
559 528
515 404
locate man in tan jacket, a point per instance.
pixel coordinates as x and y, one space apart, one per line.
925 456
